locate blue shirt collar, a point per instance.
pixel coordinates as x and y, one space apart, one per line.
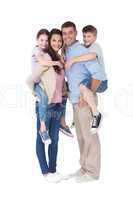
76 42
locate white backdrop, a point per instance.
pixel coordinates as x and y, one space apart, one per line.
20 176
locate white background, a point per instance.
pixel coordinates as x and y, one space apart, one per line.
20 176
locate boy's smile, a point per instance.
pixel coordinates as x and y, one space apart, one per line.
89 38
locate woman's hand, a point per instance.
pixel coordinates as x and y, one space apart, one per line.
40 59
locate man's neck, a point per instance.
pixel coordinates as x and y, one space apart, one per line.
75 41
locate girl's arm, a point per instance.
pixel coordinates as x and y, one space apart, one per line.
85 57
43 62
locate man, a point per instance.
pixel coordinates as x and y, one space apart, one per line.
89 145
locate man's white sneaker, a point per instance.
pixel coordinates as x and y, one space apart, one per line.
54 177
84 178
75 175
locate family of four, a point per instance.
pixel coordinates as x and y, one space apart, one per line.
63 68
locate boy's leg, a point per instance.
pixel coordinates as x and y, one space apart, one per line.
88 96
94 84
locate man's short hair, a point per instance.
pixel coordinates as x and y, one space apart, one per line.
90 28
68 24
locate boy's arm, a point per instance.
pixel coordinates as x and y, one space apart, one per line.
85 57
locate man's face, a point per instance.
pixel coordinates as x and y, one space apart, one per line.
69 35
89 38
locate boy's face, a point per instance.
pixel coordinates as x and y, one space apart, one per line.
89 38
42 41
69 35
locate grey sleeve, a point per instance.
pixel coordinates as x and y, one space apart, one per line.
95 48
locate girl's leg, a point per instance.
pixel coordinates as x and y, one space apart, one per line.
40 148
63 121
42 106
64 128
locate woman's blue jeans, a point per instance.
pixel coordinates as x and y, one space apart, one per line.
53 115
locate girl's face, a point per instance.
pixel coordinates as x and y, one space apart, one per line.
42 41
56 42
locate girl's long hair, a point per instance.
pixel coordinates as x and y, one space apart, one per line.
54 56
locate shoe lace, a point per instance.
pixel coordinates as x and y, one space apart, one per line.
94 121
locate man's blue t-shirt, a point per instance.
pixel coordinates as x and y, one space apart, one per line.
81 70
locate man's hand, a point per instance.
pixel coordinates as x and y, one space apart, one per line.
82 88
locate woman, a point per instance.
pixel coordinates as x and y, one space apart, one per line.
54 112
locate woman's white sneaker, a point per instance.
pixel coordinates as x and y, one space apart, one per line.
54 177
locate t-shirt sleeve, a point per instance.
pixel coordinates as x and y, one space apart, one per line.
95 48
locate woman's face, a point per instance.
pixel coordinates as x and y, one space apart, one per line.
43 41
56 42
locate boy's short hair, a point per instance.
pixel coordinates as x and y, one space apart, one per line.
68 24
90 28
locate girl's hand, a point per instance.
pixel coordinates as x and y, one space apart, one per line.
59 63
69 63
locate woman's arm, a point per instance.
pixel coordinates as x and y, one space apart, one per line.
85 57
